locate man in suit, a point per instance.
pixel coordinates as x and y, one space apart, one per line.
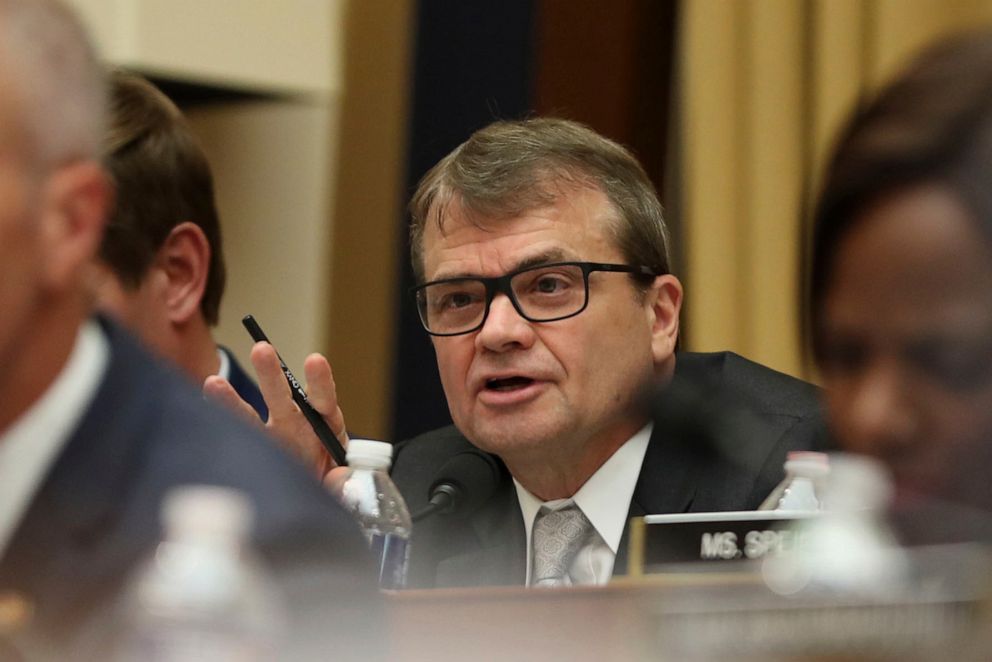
546 287
161 256
94 432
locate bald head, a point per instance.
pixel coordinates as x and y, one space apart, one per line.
52 82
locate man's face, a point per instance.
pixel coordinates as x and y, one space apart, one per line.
554 389
907 337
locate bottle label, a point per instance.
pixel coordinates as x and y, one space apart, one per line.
393 553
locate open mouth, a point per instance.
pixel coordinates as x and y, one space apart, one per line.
508 383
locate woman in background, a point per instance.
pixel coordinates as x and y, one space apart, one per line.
901 287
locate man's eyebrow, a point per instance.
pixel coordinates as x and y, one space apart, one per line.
553 255
545 257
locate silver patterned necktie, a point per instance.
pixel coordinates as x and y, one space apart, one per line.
558 537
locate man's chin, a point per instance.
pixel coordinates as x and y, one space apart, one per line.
511 437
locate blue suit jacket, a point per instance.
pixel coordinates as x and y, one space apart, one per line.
489 548
97 514
245 385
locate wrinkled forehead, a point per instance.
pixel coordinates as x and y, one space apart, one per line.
579 226
578 202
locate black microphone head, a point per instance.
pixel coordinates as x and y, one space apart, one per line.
474 477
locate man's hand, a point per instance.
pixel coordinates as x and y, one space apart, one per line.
286 421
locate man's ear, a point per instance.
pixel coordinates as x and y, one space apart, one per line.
75 199
184 259
664 304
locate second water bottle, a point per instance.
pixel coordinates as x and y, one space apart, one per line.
374 500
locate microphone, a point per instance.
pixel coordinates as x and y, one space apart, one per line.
462 485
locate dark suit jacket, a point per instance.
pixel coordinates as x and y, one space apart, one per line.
245 385
489 548
97 512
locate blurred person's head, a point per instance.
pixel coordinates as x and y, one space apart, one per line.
901 286
561 393
162 258
53 192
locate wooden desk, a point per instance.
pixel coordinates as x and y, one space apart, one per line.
677 618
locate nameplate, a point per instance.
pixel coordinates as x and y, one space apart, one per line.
658 542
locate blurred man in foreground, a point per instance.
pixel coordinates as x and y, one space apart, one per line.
93 433
543 258
161 253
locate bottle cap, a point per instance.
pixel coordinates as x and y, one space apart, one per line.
858 482
810 464
370 453
207 510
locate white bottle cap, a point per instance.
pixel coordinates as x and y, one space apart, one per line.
809 464
207 511
858 482
370 453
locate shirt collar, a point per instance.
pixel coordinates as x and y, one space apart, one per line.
605 497
30 445
224 368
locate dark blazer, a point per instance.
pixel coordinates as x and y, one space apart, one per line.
245 385
489 548
97 513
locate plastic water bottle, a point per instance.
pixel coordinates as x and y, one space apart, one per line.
799 491
370 494
848 548
203 595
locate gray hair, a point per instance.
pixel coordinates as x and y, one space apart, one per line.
56 78
511 167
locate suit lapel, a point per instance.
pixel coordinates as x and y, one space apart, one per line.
52 559
245 386
667 484
671 472
501 541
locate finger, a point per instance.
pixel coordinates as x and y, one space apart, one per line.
220 390
272 382
323 394
334 480
286 421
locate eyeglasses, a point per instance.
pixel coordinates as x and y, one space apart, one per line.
545 293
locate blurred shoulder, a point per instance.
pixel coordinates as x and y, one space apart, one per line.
763 389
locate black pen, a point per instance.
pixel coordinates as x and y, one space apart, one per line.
316 421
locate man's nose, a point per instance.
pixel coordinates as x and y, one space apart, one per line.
504 327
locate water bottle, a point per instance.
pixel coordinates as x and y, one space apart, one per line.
203 594
372 497
849 547
799 491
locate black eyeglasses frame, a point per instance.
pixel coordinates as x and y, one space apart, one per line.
501 285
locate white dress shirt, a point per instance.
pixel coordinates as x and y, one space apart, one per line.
224 367
30 445
605 501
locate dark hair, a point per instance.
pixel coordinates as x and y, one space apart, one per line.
932 125
510 167
162 179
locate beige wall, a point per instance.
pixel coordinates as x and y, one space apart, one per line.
265 45
272 164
